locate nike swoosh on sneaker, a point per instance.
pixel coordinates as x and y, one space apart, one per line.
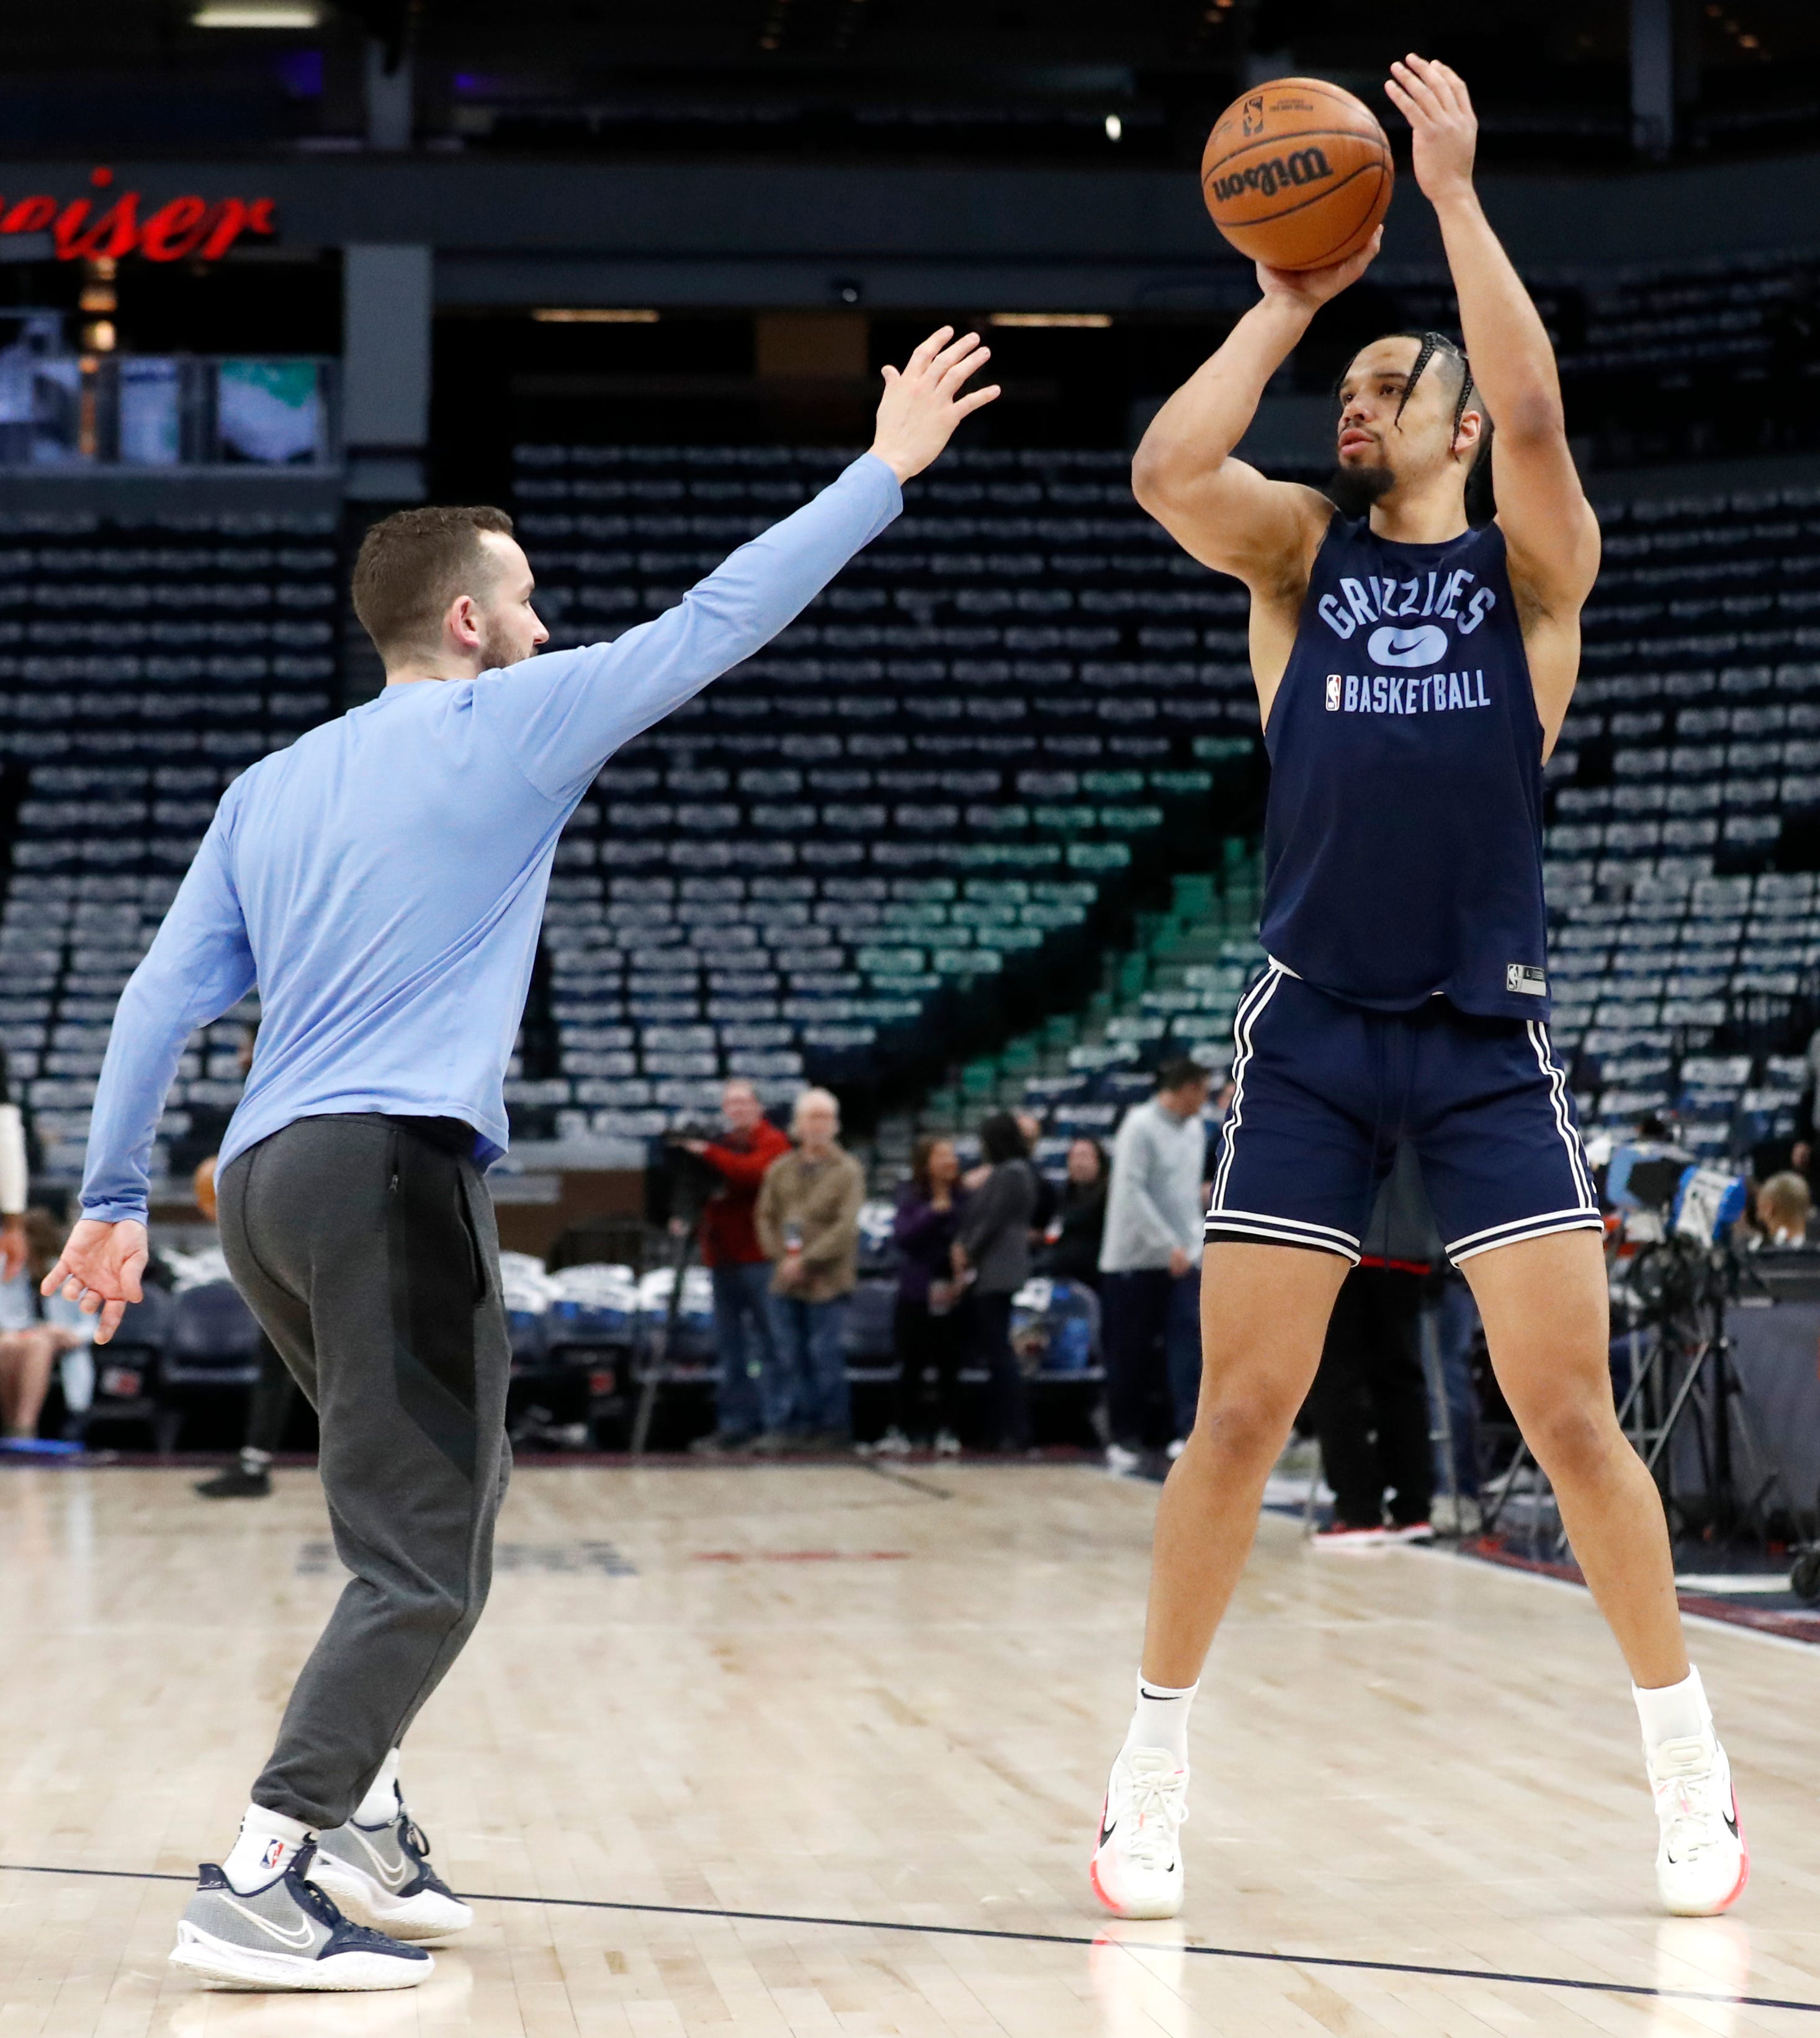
1731 1819
1106 1832
299 1938
392 1877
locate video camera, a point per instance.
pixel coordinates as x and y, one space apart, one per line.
1690 1201
679 1184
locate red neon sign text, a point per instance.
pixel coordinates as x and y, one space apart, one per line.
180 230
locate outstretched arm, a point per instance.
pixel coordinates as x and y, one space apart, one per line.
1223 511
561 717
1549 526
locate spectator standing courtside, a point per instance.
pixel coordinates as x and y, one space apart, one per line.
808 1224
928 1327
1150 1263
991 1254
1048 1195
15 1180
741 1273
30 1343
1077 1231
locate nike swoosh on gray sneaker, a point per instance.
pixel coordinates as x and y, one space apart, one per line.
393 1878
297 1940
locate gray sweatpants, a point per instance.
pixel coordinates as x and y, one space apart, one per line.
366 1248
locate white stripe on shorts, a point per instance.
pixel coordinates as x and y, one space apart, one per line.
1526 1228
1556 1079
1282 1231
1250 1005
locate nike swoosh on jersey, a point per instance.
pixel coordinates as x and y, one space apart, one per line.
1420 646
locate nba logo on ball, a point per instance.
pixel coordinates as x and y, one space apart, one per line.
1332 693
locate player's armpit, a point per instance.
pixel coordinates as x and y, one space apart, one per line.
1234 519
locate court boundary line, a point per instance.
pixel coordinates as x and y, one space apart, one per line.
1256 1954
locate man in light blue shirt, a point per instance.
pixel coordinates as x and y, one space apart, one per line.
382 882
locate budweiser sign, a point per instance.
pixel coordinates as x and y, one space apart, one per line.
116 223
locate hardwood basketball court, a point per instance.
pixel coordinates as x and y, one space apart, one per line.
817 1749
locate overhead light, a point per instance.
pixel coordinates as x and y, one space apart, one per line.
1114 126
591 315
257 14
1095 319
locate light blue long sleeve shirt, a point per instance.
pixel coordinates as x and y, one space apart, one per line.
382 881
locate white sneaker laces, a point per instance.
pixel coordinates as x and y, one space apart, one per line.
1157 1800
1685 1774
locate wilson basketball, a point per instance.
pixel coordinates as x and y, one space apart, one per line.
1297 174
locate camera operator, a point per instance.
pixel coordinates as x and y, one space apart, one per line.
739 1270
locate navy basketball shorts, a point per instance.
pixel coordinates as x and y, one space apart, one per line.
1324 1091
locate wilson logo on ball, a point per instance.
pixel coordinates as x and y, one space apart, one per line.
1301 166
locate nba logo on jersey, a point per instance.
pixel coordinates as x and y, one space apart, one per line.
1332 693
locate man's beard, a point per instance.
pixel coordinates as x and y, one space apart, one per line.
496 651
1353 490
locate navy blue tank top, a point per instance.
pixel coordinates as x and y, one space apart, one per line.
1402 839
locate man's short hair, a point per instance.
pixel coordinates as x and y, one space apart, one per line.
1178 1071
413 564
813 1095
1788 1196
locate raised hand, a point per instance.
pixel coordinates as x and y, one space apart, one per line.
923 403
99 1271
1433 99
1311 288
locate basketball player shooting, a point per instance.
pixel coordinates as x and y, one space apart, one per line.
1412 672
382 882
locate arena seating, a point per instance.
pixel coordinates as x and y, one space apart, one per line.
1690 765
1671 362
909 814
918 816
140 668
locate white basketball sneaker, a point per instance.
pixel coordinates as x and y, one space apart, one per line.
1137 1866
1702 1862
380 1877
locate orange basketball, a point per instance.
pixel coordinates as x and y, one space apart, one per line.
1297 174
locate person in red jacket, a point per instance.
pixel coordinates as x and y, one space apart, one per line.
740 1272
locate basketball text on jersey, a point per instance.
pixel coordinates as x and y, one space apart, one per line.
1374 598
1399 693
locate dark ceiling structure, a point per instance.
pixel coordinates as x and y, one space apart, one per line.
1039 81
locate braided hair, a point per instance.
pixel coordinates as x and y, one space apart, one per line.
1428 345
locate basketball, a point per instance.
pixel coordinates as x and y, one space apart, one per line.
1297 174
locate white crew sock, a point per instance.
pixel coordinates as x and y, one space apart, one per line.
263 1851
1161 1718
380 1806
1673 1712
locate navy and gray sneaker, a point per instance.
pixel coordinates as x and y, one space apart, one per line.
288 1935
380 1876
